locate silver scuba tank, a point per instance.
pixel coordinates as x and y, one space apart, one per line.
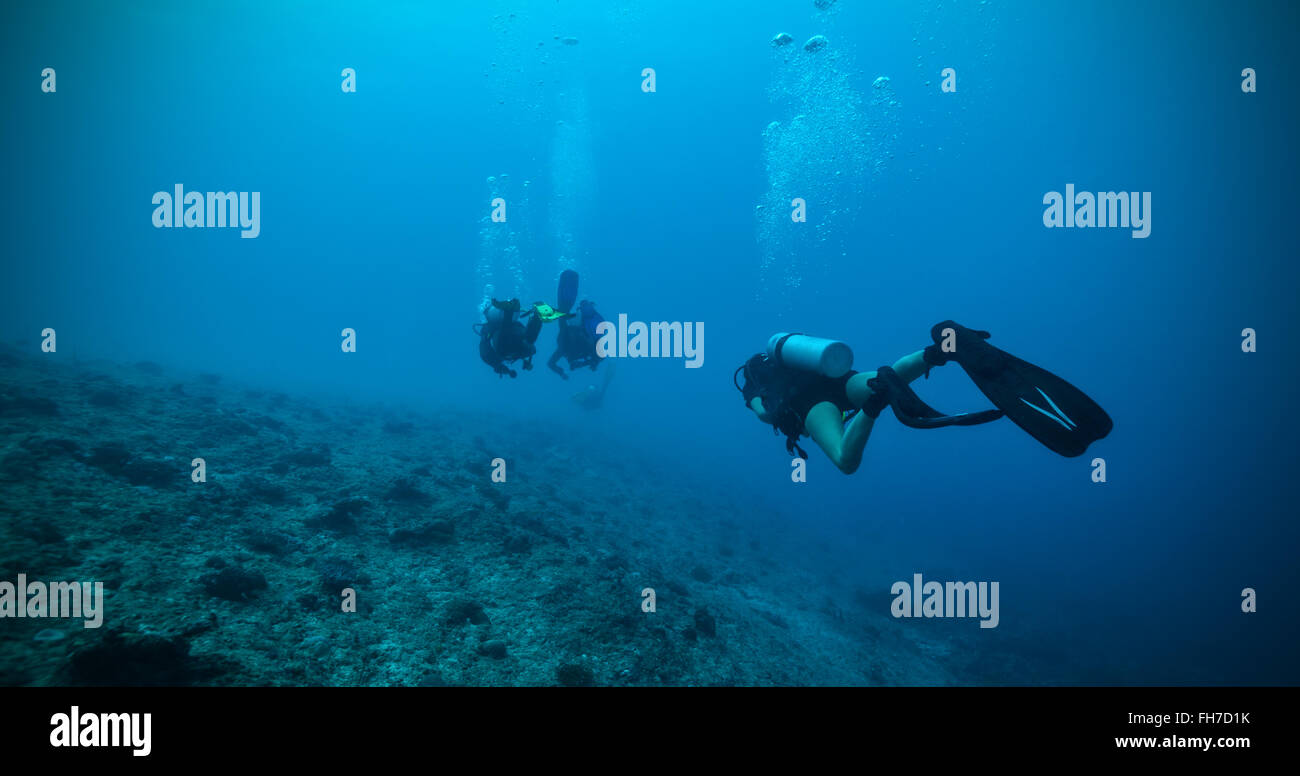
830 358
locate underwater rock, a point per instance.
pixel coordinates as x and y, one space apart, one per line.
116 460
263 490
574 675
342 517
498 496
195 627
317 646
151 473
517 542
493 648
271 542
48 447
233 584
436 532
701 574
268 422
404 490
319 456
339 573
41 533
463 610
432 679
705 623
27 405
19 466
782 39
815 43
120 660
110 458
108 398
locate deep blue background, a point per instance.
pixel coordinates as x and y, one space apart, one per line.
371 218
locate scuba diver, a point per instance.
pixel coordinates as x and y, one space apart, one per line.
591 397
806 386
576 341
503 339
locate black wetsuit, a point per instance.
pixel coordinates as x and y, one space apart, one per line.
574 345
814 388
788 395
508 340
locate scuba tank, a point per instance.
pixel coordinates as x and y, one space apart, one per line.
501 318
590 318
494 314
830 358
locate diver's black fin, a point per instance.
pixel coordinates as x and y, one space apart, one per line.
1048 408
567 293
912 411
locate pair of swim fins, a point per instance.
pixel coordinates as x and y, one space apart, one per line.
1051 410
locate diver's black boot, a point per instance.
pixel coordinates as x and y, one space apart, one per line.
887 388
882 386
877 401
934 355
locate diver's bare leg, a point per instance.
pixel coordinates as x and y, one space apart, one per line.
908 367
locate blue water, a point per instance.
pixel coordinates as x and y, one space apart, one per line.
372 217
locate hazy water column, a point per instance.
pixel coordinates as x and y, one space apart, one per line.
537 72
823 146
505 249
572 178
